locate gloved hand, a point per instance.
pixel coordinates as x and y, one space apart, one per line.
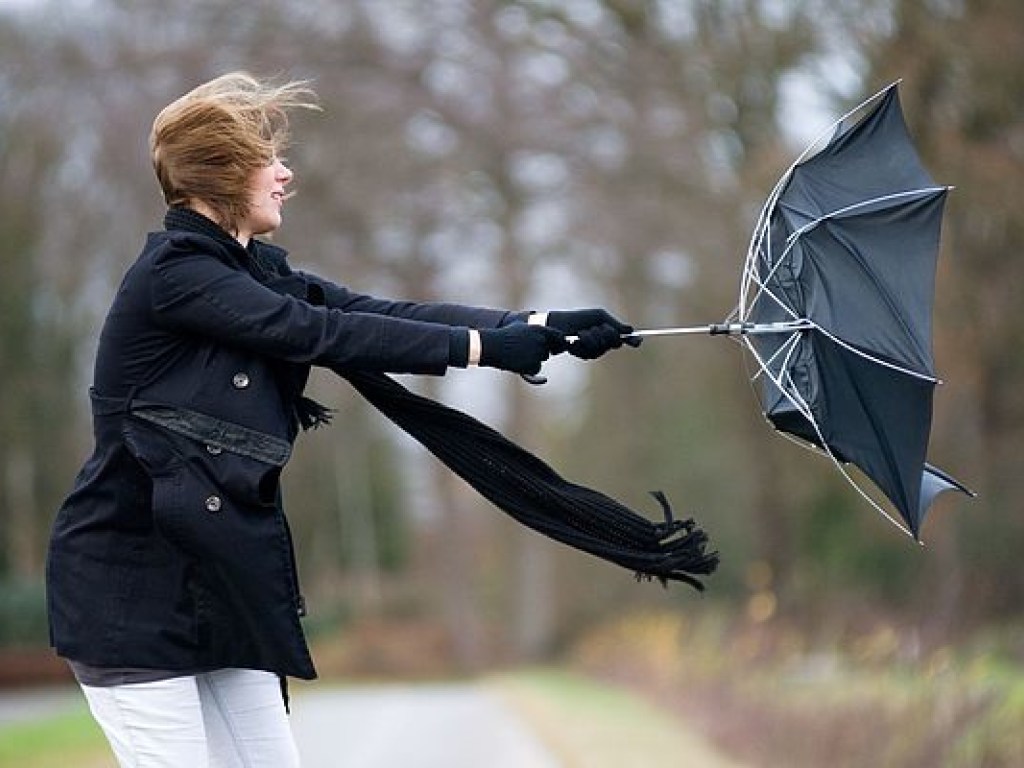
597 331
519 347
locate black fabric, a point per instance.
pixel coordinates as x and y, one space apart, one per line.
535 495
267 264
572 321
105 677
852 244
458 348
595 341
597 331
519 347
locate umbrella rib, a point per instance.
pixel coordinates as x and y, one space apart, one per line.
751 276
798 402
921 192
776 379
756 241
762 288
873 359
787 348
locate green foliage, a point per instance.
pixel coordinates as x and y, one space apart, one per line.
389 518
846 545
22 614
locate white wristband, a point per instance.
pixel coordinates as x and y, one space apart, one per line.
475 347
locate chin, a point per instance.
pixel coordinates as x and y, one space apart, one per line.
267 227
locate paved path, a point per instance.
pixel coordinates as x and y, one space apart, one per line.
429 726
460 725
426 726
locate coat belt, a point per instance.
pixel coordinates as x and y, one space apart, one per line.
215 432
210 430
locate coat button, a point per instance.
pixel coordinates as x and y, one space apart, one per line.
213 503
240 380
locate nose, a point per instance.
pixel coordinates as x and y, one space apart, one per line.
282 172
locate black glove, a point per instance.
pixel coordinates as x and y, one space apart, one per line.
519 347
597 331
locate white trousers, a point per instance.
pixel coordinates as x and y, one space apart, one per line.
229 718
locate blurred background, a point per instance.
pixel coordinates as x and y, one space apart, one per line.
552 154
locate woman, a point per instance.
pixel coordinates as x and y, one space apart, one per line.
171 579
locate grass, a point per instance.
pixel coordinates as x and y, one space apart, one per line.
72 738
587 724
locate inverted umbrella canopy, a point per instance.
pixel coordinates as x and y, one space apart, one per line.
842 266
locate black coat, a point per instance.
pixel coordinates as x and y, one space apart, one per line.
172 550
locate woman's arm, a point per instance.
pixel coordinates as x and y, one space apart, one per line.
339 297
195 292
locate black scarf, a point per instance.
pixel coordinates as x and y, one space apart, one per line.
529 490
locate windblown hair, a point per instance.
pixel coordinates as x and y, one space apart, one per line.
207 144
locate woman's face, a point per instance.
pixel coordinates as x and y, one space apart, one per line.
266 199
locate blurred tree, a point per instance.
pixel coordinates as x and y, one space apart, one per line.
527 153
961 61
679 144
37 330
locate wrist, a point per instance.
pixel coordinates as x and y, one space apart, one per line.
537 318
475 347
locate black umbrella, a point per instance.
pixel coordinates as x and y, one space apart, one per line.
836 301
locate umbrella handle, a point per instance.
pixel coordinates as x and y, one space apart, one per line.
537 380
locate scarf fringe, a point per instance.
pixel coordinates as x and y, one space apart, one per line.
311 414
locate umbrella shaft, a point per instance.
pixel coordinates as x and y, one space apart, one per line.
720 329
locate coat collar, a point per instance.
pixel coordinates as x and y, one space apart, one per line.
262 259
188 220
